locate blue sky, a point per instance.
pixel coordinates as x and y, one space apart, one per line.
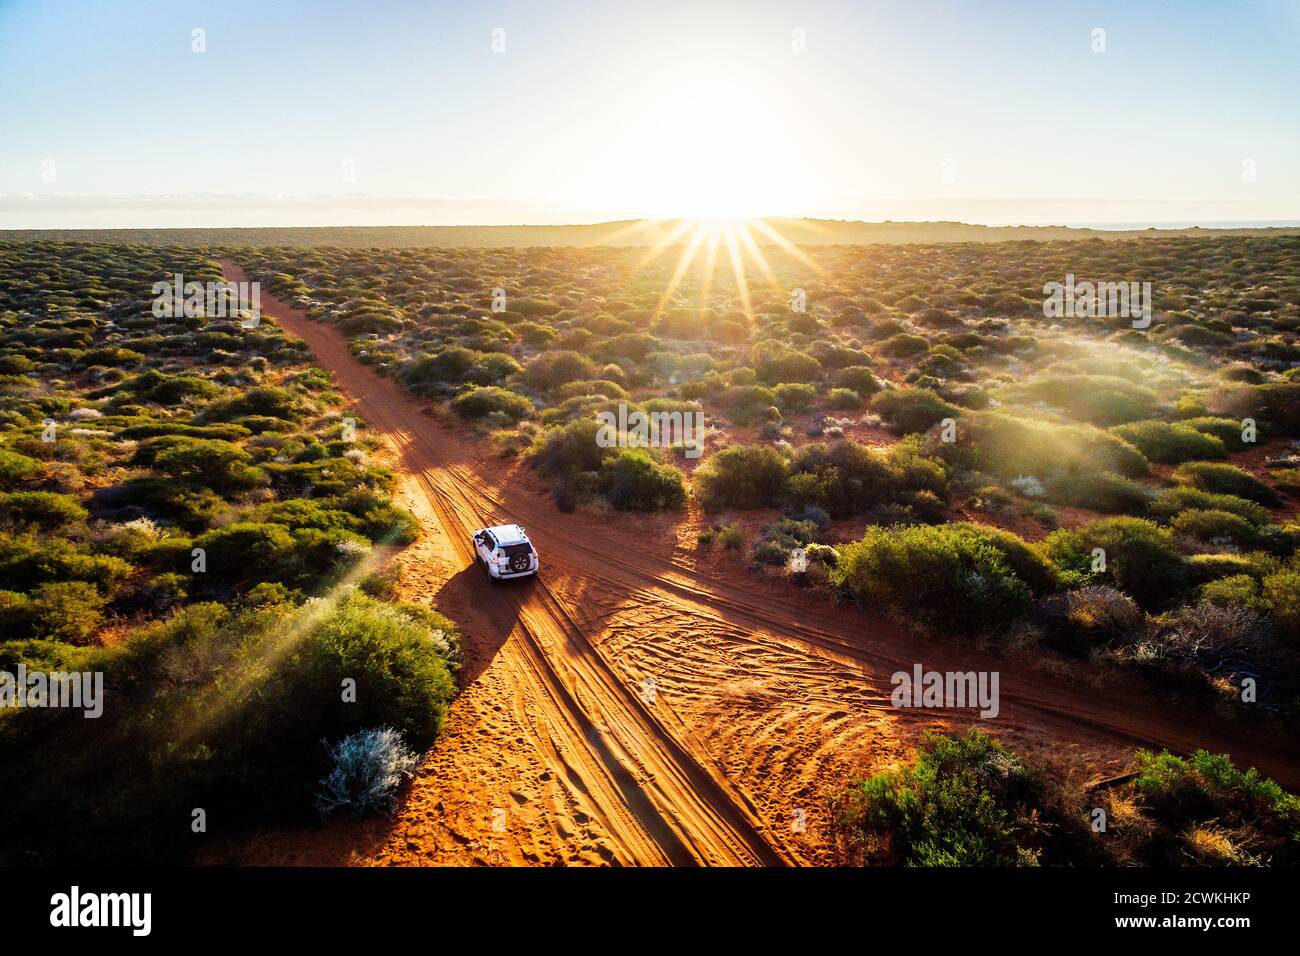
401 112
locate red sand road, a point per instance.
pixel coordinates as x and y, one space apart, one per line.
641 704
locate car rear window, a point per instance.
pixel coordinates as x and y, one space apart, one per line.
512 549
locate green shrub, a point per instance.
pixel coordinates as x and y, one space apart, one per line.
857 378
1274 405
959 576
774 362
732 537
398 656
15 365
551 369
1224 479
26 563
1209 567
1288 479
1005 445
60 611
1097 399
1281 592
192 508
39 510
909 409
66 611
16 470
746 404
1236 589
161 389
794 396
216 464
1227 430
490 400
570 448
247 549
263 400
1184 793
1170 444
602 387
449 366
1100 491
1140 558
904 344
845 478
779 538
843 399
1216 527
633 481
967 801
1169 502
742 476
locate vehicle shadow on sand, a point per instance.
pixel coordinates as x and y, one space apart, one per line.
487 612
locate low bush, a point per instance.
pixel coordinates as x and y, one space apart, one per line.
1133 554
1275 405
1239 590
1224 479
966 801
1281 593
1087 617
1170 444
1100 491
491 400
1227 430
1170 502
1005 445
732 537
959 576
779 538
369 767
743 476
843 399
1102 400
269 401
16 470
845 478
794 396
58 611
632 480
1208 812
27 562
857 378
551 369
908 410
1217 527
747 404
216 464
247 549
39 511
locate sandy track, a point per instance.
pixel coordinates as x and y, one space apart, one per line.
592 730
762 699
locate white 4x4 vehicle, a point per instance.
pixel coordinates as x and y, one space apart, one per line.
505 552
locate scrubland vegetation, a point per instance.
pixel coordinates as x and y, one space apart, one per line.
1117 495
1012 473
1122 497
969 801
183 508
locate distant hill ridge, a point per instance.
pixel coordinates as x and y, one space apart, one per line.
624 233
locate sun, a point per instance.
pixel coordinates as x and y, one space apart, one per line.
706 241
